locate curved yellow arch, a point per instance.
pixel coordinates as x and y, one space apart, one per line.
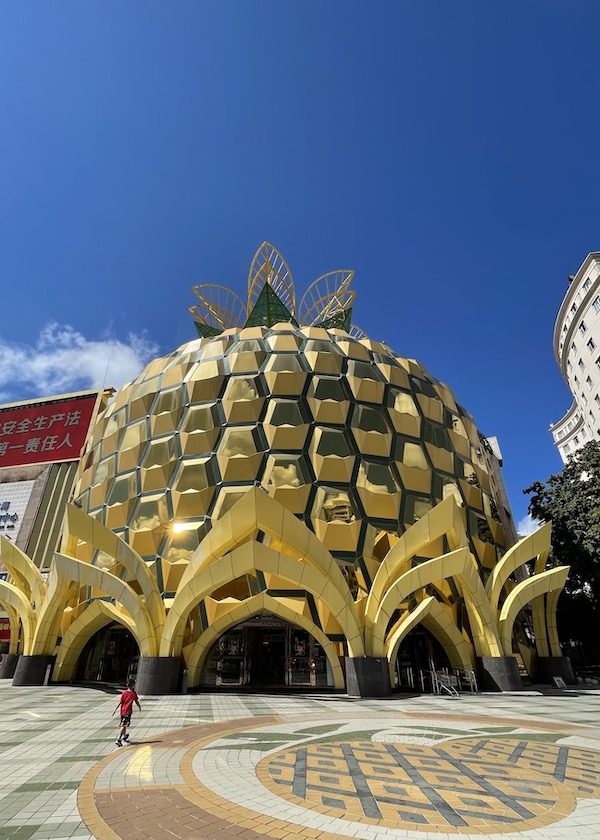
50 614
444 519
458 564
253 556
23 570
12 597
88 529
243 611
522 594
534 545
92 619
432 615
63 572
254 512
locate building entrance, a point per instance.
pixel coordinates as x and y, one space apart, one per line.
267 652
419 658
111 655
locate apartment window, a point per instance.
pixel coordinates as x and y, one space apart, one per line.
598 361
582 327
581 365
573 309
570 423
573 347
597 399
587 284
561 434
591 344
569 366
583 433
596 304
592 416
588 381
565 328
576 381
567 449
584 399
575 440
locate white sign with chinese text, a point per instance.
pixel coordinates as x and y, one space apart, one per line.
14 498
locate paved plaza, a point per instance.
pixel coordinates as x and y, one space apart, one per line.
220 766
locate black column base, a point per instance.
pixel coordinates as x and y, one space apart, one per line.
31 670
499 673
8 665
367 676
548 667
158 675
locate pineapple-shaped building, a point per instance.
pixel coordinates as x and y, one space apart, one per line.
284 501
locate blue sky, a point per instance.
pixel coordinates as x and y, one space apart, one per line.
447 151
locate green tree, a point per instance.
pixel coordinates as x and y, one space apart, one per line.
571 500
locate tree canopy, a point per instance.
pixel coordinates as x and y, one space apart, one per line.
571 500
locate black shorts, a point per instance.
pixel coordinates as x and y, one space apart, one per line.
125 720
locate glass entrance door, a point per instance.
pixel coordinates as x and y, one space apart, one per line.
266 651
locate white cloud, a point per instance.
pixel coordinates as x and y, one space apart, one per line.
527 525
63 360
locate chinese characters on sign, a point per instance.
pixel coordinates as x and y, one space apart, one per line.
53 431
8 519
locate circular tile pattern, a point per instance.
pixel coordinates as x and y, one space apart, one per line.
370 778
462 784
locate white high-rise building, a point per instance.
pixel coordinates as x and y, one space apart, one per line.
577 351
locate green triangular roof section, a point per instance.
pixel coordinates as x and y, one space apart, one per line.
204 331
339 321
268 310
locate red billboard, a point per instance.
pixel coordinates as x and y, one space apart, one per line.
4 629
51 431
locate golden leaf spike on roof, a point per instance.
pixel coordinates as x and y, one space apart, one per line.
269 267
219 307
326 297
356 332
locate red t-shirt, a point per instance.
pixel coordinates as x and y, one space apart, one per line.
127 700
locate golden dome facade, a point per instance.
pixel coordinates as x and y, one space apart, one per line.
347 435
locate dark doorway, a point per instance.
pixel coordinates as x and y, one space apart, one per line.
267 652
108 656
419 656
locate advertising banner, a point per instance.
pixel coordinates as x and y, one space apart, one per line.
50 431
14 498
4 629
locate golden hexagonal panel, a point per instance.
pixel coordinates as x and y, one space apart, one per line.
205 381
242 402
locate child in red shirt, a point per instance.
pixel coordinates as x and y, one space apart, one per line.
126 701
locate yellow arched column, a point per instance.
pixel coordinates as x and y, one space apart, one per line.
458 564
13 598
249 557
246 609
434 617
534 545
522 594
66 570
23 571
254 512
446 518
93 618
88 529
